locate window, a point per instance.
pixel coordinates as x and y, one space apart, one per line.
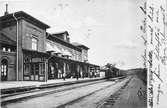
26 69
9 50
36 67
34 43
27 59
4 49
42 69
4 69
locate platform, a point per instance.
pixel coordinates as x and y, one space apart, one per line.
15 86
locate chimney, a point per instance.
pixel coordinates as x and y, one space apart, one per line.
6 12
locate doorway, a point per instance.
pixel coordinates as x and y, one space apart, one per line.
34 71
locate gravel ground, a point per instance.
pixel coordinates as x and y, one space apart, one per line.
131 96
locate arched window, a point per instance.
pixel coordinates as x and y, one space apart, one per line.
4 70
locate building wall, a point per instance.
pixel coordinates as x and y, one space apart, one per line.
84 55
30 30
25 31
11 58
10 31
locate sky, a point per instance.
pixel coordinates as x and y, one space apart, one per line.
110 28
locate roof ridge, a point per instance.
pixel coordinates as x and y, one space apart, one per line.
59 32
28 17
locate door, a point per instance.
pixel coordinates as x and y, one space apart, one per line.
35 71
4 70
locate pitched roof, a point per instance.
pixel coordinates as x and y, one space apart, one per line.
80 45
50 47
76 43
24 15
61 41
60 33
6 40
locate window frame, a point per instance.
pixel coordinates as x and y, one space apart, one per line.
34 41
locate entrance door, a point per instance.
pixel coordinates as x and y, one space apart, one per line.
53 70
35 71
4 70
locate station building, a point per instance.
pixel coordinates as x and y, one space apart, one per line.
29 53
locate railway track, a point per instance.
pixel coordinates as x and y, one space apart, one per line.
38 92
10 98
92 93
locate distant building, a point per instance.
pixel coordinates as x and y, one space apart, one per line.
41 56
103 71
